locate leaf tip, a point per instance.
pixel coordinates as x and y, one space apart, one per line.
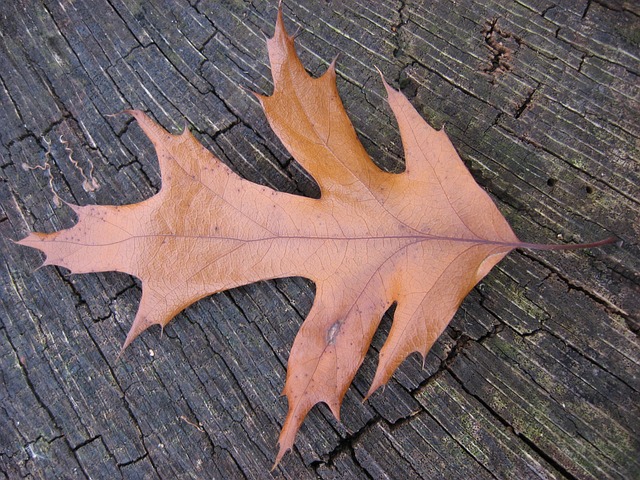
77 209
281 453
185 129
32 239
394 97
121 352
140 324
131 336
23 241
334 406
332 65
390 90
280 30
295 416
261 98
375 385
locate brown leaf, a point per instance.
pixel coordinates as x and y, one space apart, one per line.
421 239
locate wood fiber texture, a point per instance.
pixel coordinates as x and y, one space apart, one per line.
537 375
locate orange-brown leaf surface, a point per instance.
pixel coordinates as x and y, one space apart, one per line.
421 239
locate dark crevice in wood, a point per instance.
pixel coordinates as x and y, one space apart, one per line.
397 27
526 104
592 176
13 102
86 442
226 129
462 343
126 125
133 163
571 285
296 306
544 12
150 457
64 277
451 82
116 10
531 444
45 407
592 361
346 444
133 461
619 6
241 310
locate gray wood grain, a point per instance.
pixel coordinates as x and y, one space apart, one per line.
537 375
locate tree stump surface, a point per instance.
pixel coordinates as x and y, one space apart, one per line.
537 375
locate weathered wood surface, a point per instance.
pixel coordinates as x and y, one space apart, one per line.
537 375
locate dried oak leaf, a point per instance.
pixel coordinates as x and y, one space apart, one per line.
421 239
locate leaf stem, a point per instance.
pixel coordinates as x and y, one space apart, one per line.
570 246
